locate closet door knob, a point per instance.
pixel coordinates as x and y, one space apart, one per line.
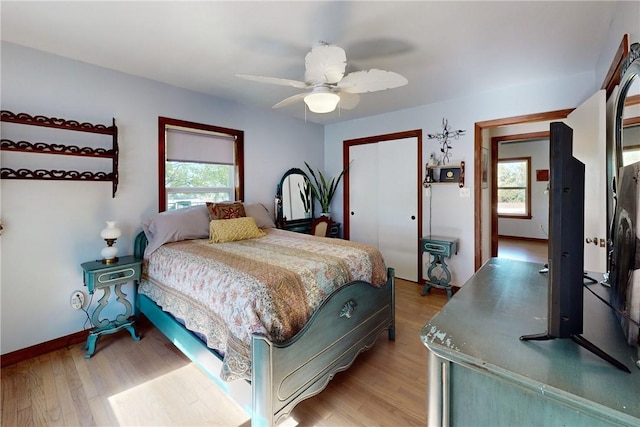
413 217
351 212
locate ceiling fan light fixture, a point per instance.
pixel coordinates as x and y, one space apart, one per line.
322 101
327 83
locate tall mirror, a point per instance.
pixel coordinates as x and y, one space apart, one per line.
624 262
627 112
630 143
294 204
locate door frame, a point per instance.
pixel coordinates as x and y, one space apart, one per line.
479 127
348 143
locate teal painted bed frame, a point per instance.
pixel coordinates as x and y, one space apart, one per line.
347 323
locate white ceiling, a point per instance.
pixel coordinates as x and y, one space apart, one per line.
445 49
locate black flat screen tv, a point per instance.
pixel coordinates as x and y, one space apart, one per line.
566 233
566 248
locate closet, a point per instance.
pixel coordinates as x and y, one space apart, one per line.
383 198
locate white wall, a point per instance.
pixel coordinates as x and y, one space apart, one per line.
51 227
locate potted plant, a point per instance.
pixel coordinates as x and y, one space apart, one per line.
324 189
305 196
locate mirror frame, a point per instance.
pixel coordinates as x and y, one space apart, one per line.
630 75
630 72
302 223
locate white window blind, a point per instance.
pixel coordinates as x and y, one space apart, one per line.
200 147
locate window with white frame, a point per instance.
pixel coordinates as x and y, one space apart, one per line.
198 164
514 187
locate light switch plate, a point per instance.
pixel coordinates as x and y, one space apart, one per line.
465 192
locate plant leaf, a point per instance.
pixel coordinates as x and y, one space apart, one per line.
324 190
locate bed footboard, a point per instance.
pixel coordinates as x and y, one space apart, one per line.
346 324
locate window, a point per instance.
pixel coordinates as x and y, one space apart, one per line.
198 163
514 188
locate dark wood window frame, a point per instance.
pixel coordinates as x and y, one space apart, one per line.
527 215
163 122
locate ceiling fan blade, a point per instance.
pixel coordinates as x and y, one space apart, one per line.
348 101
325 64
371 81
290 100
274 81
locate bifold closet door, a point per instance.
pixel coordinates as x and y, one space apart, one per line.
363 195
398 206
383 201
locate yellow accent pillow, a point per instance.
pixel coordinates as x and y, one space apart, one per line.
231 230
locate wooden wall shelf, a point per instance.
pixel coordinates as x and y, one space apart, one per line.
61 149
444 174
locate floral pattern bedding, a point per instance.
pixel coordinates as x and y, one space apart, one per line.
270 285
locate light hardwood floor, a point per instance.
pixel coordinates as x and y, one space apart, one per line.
149 382
523 250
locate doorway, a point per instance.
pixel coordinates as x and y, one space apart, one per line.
524 234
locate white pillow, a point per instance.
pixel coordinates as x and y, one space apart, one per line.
260 213
176 225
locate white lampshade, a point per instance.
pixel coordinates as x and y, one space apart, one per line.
110 231
322 100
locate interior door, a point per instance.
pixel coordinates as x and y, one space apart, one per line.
383 201
398 210
588 122
363 198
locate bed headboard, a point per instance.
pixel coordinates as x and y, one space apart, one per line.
139 245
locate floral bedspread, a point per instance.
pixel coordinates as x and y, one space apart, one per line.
269 285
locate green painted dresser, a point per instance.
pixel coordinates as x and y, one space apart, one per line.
481 374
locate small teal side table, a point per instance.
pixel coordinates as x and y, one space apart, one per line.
440 247
98 275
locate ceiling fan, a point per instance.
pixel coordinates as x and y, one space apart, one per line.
327 83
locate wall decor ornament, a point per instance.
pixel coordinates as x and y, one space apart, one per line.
444 137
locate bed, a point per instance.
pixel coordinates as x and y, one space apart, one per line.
235 308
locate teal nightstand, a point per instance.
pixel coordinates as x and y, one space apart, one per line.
98 275
439 247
